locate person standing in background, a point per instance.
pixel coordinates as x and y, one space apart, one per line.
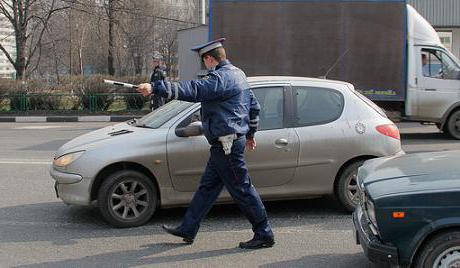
159 74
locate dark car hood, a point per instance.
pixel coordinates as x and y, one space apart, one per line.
420 172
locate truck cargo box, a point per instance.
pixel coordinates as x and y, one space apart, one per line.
361 42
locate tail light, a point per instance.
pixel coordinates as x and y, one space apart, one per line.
389 130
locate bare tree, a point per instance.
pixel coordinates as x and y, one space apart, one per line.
29 19
110 6
114 36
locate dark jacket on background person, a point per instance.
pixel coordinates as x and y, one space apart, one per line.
159 74
228 105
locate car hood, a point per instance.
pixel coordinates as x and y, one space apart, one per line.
420 172
89 139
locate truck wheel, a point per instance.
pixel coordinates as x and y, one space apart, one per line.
346 188
443 250
453 125
127 199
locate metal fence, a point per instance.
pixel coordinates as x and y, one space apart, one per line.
73 103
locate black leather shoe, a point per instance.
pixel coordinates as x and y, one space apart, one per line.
257 243
175 231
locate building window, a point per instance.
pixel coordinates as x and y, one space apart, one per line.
446 39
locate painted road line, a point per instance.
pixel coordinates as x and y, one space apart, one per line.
25 162
40 127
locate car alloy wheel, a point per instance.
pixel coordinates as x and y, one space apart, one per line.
352 186
453 125
127 198
346 187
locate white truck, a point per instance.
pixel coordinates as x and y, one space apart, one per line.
385 48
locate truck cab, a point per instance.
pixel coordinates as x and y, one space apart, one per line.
433 82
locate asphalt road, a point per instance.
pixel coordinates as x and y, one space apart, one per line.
38 230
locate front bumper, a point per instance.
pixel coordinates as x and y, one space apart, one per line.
73 189
374 250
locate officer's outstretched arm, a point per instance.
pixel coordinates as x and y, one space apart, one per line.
211 88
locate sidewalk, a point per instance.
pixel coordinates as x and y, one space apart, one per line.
54 118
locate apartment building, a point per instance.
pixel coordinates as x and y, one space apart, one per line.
8 41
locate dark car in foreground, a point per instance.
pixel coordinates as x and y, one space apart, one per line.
409 211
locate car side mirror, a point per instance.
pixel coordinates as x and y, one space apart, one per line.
193 129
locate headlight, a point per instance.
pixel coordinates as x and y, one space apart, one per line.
371 212
67 159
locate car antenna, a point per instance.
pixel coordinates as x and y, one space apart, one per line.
335 64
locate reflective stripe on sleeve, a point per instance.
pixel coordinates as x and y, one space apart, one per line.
176 90
168 88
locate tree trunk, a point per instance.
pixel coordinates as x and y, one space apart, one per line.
110 59
20 65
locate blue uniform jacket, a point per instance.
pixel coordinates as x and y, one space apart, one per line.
228 105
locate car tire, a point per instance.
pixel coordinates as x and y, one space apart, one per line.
442 249
453 125
127 199
346 188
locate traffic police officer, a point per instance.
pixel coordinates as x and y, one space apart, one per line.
230 118
158 74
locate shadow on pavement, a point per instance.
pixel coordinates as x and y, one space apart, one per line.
62 224
138 257
426 136
324 261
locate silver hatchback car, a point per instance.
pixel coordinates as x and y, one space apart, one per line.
313 136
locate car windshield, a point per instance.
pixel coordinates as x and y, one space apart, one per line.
163 114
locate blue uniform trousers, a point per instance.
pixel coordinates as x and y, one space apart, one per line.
229 171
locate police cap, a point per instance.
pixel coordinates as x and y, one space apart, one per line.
202 49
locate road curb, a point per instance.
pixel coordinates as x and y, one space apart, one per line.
43 119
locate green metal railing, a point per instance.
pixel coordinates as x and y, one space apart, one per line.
88 103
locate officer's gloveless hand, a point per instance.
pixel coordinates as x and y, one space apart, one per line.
251 144
145 89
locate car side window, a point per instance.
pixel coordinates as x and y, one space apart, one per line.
271 100
315 106
437 64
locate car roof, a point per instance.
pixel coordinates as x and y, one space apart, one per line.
287 79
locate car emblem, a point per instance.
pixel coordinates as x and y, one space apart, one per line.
360 128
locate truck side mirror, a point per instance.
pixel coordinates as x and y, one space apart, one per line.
193 129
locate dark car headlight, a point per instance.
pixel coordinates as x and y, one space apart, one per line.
371 213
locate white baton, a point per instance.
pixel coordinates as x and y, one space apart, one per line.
121 84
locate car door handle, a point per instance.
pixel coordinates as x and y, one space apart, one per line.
281 142
430 89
